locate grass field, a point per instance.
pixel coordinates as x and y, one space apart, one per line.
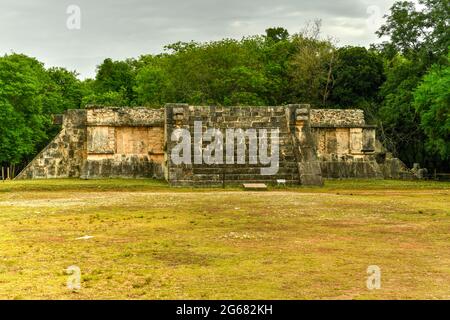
155 242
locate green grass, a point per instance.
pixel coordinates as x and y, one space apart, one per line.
160 185
155 242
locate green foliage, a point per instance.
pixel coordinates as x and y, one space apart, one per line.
358 75
399 122
62 91
22 123
16 138
259 70
153 86
310 66
221 72
421 32
108 98
29 95
432 102
277 34
418 38
276 59
114 81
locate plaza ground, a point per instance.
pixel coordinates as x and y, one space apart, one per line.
150 241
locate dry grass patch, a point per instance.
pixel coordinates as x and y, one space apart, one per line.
155 242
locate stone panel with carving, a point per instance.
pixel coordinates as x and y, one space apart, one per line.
100 140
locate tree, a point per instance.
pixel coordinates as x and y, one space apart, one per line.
423 32
398 120
116 78
62 91
357 76
108 98
245 86
418 38
432 102
276 57
277 34
310 66
23 124
218 72
16 138
153 86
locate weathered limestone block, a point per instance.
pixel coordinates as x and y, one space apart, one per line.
331 141
140 141
121 166
337 117
319 137
342 140
63 156
116 117
394 168
356 168
302 114
356 140
101 116
310 173
368 137
100 139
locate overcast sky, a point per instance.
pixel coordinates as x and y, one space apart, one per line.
128 28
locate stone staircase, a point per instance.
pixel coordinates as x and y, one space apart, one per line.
297 164
243 118
231 174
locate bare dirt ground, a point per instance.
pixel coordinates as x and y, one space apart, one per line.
149 241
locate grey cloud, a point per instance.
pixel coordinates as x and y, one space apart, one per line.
120 29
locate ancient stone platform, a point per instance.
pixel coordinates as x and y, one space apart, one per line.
108 142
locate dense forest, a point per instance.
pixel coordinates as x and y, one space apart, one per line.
402 84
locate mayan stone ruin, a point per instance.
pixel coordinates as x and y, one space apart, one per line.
112 142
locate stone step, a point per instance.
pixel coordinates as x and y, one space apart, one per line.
285 151
254 177
253 172
268 118
220 170
282 164
283 145
249 116
283 158
283 131
214 183
283 148
244 177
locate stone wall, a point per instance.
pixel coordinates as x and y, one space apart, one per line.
124 142
122 117
308 164
340 141
337 117
105 142
180 116
345 145
63 157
